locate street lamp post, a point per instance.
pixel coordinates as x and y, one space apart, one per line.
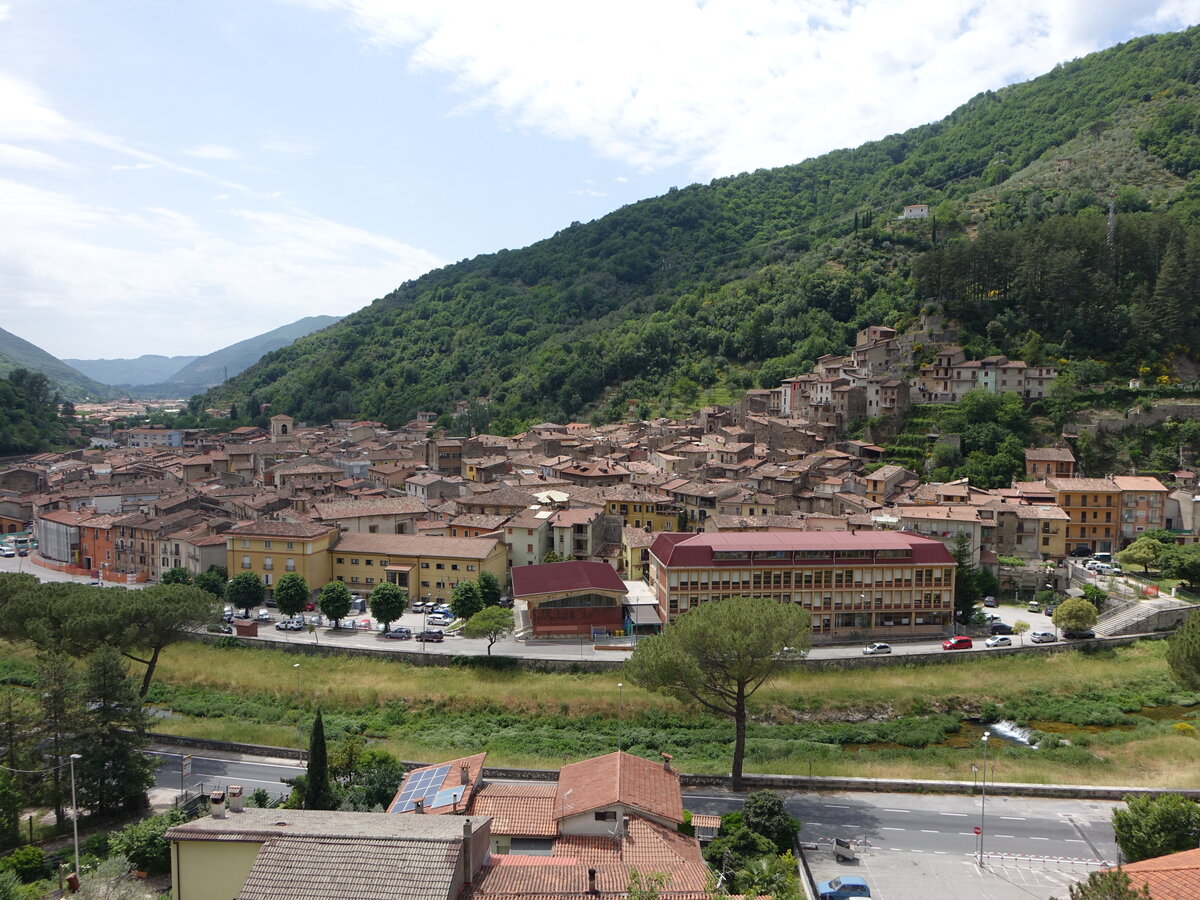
983 798
75 812
299 730
619 742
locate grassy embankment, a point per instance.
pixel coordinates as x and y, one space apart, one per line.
801 720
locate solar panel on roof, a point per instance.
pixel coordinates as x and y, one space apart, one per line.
420 785
447 797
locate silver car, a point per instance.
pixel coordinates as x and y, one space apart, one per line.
877 649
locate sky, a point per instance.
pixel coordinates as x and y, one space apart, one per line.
179 175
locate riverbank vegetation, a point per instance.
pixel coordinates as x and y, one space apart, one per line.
897 721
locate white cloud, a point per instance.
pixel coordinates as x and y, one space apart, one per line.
162 273
13 157
131 167
730 85
212 151
289 147
5 12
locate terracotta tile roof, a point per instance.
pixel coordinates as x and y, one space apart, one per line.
452 779
1173 877
1050 454
280 529
316 869
387 506
418 544
517 810
618 778
1093 485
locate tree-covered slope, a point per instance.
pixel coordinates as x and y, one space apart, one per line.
18 353
754 276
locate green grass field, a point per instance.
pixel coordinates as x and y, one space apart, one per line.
889 722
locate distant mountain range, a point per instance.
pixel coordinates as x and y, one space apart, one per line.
181 376
150 376
149 369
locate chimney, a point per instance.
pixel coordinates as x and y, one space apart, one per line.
464 775
667 761
592 882
419 806
468 862
217 804
236 801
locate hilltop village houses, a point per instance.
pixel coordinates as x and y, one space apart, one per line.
644 519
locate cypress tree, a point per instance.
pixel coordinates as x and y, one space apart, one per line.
317 792
1183 653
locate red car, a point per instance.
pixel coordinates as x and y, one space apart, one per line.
960 642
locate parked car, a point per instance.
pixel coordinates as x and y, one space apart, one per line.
1042 637
990 601
316 620
1034 606
998 640
22 552
959 642
876 649
1083 634
7 551
221 628
991 617
399 634
1000 628
441 608
843 887
440 619
431 635
264 615
289 625
421 606
1050 608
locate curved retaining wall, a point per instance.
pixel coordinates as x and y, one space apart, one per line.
562 664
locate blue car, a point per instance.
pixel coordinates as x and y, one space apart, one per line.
843 888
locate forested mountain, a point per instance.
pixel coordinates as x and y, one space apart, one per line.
750 278
150 368
30 419
18 353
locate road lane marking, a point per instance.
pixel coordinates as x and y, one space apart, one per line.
885 809
1014 818
1074 841
890 828
1003 836
1039 839
834 806
928 831
964 815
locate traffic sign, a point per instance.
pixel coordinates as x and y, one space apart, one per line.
185 766
978 830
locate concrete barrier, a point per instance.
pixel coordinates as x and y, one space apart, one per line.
563 664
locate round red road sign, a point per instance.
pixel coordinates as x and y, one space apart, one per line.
978 830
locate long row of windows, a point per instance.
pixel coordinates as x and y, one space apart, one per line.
905 600
268 564
883 576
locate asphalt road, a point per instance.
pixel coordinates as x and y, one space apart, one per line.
944 824
917 823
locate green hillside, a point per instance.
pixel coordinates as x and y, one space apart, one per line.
17 353
750 278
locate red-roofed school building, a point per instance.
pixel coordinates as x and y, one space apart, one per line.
871 583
